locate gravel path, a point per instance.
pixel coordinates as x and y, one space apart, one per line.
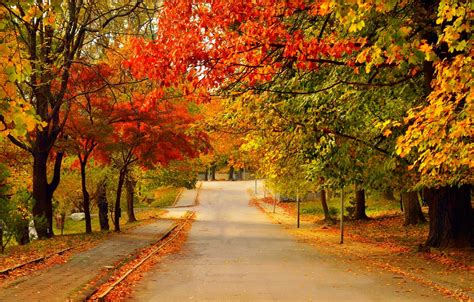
234 253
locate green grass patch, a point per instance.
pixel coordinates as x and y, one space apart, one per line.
165 197
375 206
78 227
313 208
161 198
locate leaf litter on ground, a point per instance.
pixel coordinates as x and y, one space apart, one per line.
382 242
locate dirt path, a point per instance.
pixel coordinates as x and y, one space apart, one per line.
61 282
234 253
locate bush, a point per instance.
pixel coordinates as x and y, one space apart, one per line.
15 213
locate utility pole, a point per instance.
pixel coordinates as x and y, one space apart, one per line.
342 215
255 185
277 197
298 204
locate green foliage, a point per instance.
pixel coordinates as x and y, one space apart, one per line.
164 197
176 174
15 212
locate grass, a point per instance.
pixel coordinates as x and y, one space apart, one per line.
375 206
77 227
313 209
74 231
162 197
165 197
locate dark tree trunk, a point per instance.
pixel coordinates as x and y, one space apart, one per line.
117 209
412 209
388 194
359 213
451 217
240 174
206 174
103 208
43 192
85 196
231 173
213 172
42 204
450 208
130 186
327 216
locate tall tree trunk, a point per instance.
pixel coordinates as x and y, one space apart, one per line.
130 186
451 217
327 216
42 203
450 208
43 192
412 209
240 174
360 205
231 173
85 196
103 207
206 174
117 209
213 172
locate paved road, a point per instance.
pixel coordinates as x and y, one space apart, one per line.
235 254
187 198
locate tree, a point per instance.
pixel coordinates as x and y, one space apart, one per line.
16 115
388 46
224 144
324 205
89 122
50 38
153 131
412 208
130 184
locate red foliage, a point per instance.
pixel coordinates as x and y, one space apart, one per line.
154 130
219 42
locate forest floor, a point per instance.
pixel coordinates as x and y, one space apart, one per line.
382 243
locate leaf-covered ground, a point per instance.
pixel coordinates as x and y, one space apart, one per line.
383 243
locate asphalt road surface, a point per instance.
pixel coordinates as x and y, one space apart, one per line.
234 253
